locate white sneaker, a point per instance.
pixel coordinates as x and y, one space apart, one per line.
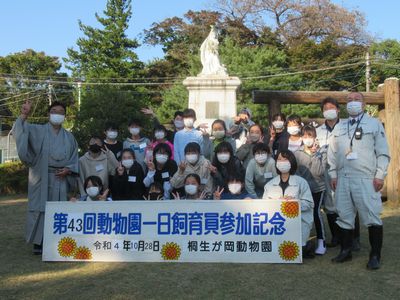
321 248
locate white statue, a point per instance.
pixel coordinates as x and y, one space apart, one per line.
209 56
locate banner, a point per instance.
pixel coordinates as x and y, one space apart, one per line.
236 231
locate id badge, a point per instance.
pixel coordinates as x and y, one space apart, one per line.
352 156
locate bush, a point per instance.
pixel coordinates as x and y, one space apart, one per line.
13 178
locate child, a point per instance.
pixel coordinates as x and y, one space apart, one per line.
260 170
289 186
235 190
161 169
128 180
193 163
156 192
294 130
187 135
160 134
94 190
225 163
279 135
96 161
192 189
311 166
111 142
218 135
240 128
245 152
136 142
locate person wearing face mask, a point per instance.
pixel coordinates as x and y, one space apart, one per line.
235 189
239 130
94 190
128 179
51 153
218 135
156 192
111 142
97 161
160 137
245 152
289 186
177 122
260 170
137 143
225 163
293 128
187 135
192 190
195 163
311 164
161 169
279 134
358 158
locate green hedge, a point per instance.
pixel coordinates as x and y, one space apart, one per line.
13 178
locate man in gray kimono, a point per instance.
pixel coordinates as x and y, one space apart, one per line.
51 153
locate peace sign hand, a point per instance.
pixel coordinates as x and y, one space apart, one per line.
103 196
182 167
120 169
218 192
176 196
212 169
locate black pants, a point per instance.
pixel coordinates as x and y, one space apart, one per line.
318 220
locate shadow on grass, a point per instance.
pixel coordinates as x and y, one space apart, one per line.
26 276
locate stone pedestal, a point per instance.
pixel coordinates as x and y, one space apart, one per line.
213 97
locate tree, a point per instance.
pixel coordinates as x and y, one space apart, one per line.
106 55
25 75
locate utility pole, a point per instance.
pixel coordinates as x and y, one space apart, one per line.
367 72
79 94
49 95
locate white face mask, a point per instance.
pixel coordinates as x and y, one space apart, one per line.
57 119
134 130
219 134
293 130
93 191
159 135
190 189
192 158
308 141
254 137
278 124
112 135
261 158
330 114
161 158
178 124
354 108
223 158
283 166
127 163
235 188
188 122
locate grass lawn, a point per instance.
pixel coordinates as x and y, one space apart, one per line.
25 276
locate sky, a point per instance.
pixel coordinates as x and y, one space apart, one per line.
52 25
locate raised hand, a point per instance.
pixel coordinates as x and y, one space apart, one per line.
120 169
176 196
212 169
26 109
182 166
203 195
103 196
218 192
148 111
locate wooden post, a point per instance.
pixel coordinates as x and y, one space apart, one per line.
392 117
274 107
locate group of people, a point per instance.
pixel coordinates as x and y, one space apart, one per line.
339 167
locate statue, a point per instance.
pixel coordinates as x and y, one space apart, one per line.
209 56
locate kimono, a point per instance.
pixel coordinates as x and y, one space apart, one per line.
44 152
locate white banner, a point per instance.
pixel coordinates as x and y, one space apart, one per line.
238 231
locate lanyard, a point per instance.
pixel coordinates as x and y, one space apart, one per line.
354 133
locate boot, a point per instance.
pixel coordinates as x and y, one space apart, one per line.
334 230
356 237
321 248
375 239
346 241
308 250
